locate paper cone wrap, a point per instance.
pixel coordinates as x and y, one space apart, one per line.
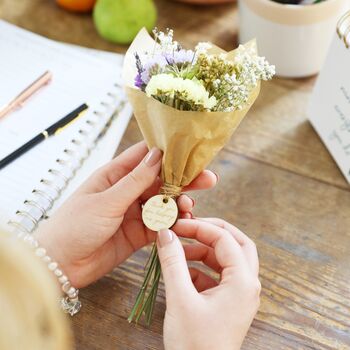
189 140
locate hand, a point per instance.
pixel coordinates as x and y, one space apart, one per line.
100 225
201 313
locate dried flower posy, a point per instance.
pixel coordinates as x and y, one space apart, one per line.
204 93
195 80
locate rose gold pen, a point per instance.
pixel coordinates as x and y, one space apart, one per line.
26 93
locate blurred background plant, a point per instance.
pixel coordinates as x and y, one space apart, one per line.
116 20
206 2
298 2
119 21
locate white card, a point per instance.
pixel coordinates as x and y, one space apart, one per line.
329 109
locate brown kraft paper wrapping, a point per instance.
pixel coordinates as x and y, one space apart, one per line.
189 140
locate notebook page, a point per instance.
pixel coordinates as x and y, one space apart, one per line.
107 146
78 77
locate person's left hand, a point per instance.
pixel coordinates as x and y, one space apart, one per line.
100 225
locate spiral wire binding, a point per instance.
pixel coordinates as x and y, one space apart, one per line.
58 178
343 29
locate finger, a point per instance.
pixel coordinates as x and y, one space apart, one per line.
227 251
114 170
185 203
177 279
203 253
202 281
248 246
187 215
130 243
128 189
205 180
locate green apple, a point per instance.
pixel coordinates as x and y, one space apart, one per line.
120 20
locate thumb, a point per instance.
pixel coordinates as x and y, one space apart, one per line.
122 194
176 275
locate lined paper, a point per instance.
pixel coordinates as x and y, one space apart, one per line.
79 76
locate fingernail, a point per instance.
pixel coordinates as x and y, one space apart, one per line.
217 176
193 201
187 215
165 237
153 157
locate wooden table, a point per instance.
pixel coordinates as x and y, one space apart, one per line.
277 183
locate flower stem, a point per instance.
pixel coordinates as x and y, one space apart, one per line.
146 297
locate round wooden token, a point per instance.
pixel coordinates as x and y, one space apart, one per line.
159 212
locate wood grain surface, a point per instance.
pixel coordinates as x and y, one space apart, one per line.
277 183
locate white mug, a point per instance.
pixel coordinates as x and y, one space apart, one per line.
295 38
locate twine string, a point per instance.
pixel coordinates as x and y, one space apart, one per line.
170 191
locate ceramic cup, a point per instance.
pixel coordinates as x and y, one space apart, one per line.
295 38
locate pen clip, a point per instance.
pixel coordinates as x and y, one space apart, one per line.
59 130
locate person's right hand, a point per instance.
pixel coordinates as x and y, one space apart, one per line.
101 225
201 313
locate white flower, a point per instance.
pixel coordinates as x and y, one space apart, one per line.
165 41
193 90
202 47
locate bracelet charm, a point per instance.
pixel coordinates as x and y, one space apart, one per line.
71 305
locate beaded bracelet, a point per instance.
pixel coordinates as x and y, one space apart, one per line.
70 303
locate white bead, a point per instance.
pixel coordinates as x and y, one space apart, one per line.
34 243
58 272
28 238
46 259
73 295
63 279
52 266
40 252
66 286
71 291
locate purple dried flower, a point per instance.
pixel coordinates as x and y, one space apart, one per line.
180 57
138 63
156 63
138 81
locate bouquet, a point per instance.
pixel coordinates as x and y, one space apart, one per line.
187 103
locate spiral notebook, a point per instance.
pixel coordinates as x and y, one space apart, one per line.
329 109
40 180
